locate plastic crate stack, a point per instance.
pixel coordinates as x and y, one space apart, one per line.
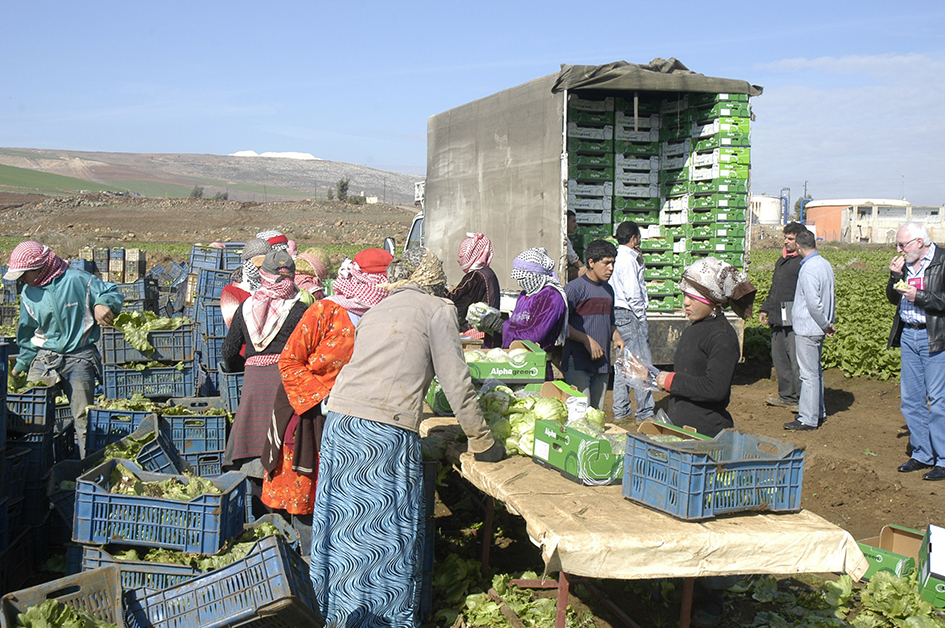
11 289
124 375
200 437
31 441
115 265
171 281
140 295
210 327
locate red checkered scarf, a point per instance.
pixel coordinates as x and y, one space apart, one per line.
357 291
31 255
475 252
266 311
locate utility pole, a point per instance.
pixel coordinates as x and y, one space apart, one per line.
805 190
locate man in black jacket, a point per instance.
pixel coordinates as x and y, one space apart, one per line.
776 312
917 285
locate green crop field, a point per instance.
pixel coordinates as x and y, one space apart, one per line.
153 189
24 180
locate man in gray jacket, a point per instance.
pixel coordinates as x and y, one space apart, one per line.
814 306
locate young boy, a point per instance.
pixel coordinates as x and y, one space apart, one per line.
591 325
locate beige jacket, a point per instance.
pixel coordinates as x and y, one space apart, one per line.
399 345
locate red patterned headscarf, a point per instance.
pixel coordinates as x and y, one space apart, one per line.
267 310
31 255
357 289
475 252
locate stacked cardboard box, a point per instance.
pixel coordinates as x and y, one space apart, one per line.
679 168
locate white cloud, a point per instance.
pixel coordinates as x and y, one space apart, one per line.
853 126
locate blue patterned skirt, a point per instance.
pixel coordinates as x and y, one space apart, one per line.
367 522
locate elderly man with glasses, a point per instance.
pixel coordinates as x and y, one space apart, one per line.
917 285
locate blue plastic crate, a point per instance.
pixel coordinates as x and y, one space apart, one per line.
200 525
97 592
63 413
170 345
158 576
210 283
198 433
269 587
107 426
33 410
16 565
86 265
232 252
205 257
208 317
40 458
144 288
169 275
15 469
140 305
35 502
207 464
152 382
64 444
231 385
211 351
9 314
157 456
697 479
4 524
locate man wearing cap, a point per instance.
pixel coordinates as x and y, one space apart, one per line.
61 309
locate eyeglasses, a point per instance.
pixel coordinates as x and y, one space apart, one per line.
903 245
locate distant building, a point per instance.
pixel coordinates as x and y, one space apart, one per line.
766 210
869 219
370 200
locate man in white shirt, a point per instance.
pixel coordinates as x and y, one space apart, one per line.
630 303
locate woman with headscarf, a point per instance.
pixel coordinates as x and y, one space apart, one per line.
314 354
707 351
479 284
311 271
263 323
541 311
61 310
245 279
366 545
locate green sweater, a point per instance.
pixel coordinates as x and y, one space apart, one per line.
60 316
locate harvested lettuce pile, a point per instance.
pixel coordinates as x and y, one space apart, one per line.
17 383
55 614
512 419
131 448
123 482
496 355
153 364
137 403
184 410
234 550
136 325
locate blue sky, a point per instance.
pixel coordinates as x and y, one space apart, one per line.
854 99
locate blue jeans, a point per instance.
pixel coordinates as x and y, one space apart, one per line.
77 372
810 405
594 385
636 336
922 387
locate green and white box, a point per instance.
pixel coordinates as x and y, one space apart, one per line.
649 149
594 159
580 131
605 188
722 156
932 566
725 126
623 175
721 141
675 149
628 134
674 105
591 173
590 217
675 204
636 191
676 163
725 186
640 123
727 171
590 117
587 104
586 203
896 550
580 145
630 162
674 217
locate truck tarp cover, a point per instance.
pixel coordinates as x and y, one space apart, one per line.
660 75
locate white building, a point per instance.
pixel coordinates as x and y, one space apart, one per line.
869 219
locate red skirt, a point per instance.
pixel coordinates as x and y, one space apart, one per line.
287 490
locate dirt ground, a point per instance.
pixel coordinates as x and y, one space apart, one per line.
850 473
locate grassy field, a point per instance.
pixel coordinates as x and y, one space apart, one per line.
24 180
153 189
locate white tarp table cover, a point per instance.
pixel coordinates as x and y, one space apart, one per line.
595 532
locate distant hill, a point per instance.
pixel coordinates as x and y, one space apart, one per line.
243 178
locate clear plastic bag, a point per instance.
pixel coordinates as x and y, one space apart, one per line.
484 318
639 373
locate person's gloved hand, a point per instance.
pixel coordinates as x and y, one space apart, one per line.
493 454
491 321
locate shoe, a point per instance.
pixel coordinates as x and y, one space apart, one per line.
797 426
651 417
777 402
937 473
911 465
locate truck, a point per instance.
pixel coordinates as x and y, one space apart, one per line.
657 144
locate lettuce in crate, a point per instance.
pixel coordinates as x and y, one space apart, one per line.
136 325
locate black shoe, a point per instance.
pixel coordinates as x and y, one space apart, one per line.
912 464
937 473
797 426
